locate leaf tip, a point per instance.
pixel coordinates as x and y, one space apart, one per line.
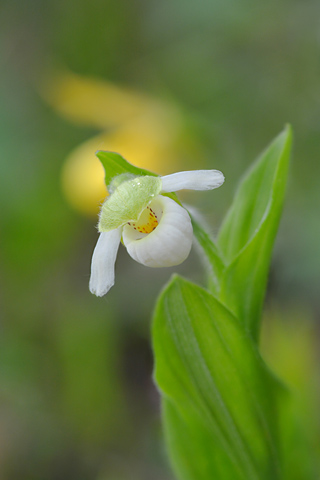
174 281
288 132
98 153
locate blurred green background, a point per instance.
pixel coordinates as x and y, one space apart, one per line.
203 84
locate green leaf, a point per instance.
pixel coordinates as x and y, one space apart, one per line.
211 371
213 256
114 164
247 235
191 449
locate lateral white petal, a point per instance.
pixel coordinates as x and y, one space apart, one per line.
103 260
169 244
192 180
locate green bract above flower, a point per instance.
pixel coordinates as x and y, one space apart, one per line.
154 228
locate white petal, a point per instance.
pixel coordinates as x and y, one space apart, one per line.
169 244
103 260
193 180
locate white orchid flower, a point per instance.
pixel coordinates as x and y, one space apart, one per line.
155 229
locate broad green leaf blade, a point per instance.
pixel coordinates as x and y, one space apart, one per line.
210 370
114 164
195 459
212 254
244 282
262 187
295 437
246 237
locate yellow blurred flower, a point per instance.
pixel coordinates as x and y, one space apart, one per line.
144 130
83 175
93 102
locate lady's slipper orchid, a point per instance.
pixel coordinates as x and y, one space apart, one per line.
154 228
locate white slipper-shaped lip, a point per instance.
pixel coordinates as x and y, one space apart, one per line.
103 262
166 246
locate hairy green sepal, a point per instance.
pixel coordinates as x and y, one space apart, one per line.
128 202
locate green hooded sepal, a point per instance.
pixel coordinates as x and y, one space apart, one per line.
128 201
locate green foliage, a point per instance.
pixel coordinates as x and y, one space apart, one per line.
211 371
220 402
240 260
195 459
114 164
247 235
215 261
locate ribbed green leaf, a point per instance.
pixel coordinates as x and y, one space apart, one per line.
212 254
246 237
191 448
211 372
114 164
